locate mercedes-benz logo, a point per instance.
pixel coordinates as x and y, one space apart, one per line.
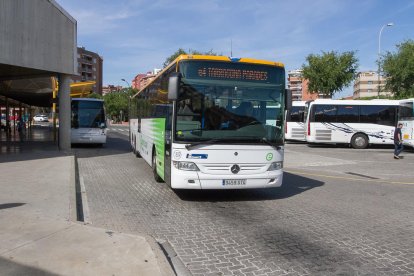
235 169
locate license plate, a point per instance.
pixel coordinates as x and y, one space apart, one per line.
234 182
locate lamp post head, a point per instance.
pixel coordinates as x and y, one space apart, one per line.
123 80
390 24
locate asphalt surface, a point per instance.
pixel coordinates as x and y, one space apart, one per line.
340 212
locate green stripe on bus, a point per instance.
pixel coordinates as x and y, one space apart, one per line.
158 126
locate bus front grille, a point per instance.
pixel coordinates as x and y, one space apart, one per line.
226 168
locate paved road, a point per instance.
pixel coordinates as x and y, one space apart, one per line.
341 212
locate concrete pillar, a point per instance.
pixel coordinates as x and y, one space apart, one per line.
64 112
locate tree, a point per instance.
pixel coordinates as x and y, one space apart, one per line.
330 72
95 96
181 51
116 104
399 69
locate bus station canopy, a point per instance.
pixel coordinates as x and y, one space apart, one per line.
81 89
39 91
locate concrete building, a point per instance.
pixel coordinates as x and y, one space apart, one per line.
366 85
89 67
37 42
111 89
299 87
141 80
136 82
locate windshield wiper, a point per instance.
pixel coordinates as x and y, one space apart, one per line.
210 141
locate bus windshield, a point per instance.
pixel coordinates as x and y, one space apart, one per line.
221 102
87 114
296 114
406 111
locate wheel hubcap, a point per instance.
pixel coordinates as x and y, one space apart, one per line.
359 141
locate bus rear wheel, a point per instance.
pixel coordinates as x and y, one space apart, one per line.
154 168
359 141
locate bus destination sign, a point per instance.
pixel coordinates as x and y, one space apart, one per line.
232 74
210 70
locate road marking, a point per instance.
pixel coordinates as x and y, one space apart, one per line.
350 178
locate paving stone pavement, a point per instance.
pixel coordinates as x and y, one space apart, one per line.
309 227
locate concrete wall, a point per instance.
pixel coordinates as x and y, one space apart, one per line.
37 34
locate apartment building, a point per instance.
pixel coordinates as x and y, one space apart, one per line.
136 82
366 85
141 80
299 87
89 69
110 89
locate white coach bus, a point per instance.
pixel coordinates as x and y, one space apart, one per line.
294 125
88 124
355 122
202 123
406 117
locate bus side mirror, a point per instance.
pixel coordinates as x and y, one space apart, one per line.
288 99
173 86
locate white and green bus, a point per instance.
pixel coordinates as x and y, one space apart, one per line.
201 123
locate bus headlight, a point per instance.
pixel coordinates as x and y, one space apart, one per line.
276 166
185 166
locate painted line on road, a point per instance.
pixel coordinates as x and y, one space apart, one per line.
350 178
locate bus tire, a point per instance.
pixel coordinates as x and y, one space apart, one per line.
359 141
154 167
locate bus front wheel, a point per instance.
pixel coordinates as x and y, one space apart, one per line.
154 168
359 141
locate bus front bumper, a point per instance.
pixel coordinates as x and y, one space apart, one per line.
199 180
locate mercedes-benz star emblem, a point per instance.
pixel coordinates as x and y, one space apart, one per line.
235 169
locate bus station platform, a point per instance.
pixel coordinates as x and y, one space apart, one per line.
39 231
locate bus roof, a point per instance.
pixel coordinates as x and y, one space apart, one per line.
355 102
407 100
228 59
213 58
298 103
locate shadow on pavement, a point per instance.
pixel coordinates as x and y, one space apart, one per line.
10 205
9 267
292 185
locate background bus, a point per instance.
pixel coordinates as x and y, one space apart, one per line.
406 117
88 124
294 126
354 122
202 123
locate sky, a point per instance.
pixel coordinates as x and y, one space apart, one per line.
136 36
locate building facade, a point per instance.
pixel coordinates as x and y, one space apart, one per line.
141 80
136 82
90 68
111 89
299 87
366 85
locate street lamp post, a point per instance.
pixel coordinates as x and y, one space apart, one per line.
129 97
379 55
124 80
